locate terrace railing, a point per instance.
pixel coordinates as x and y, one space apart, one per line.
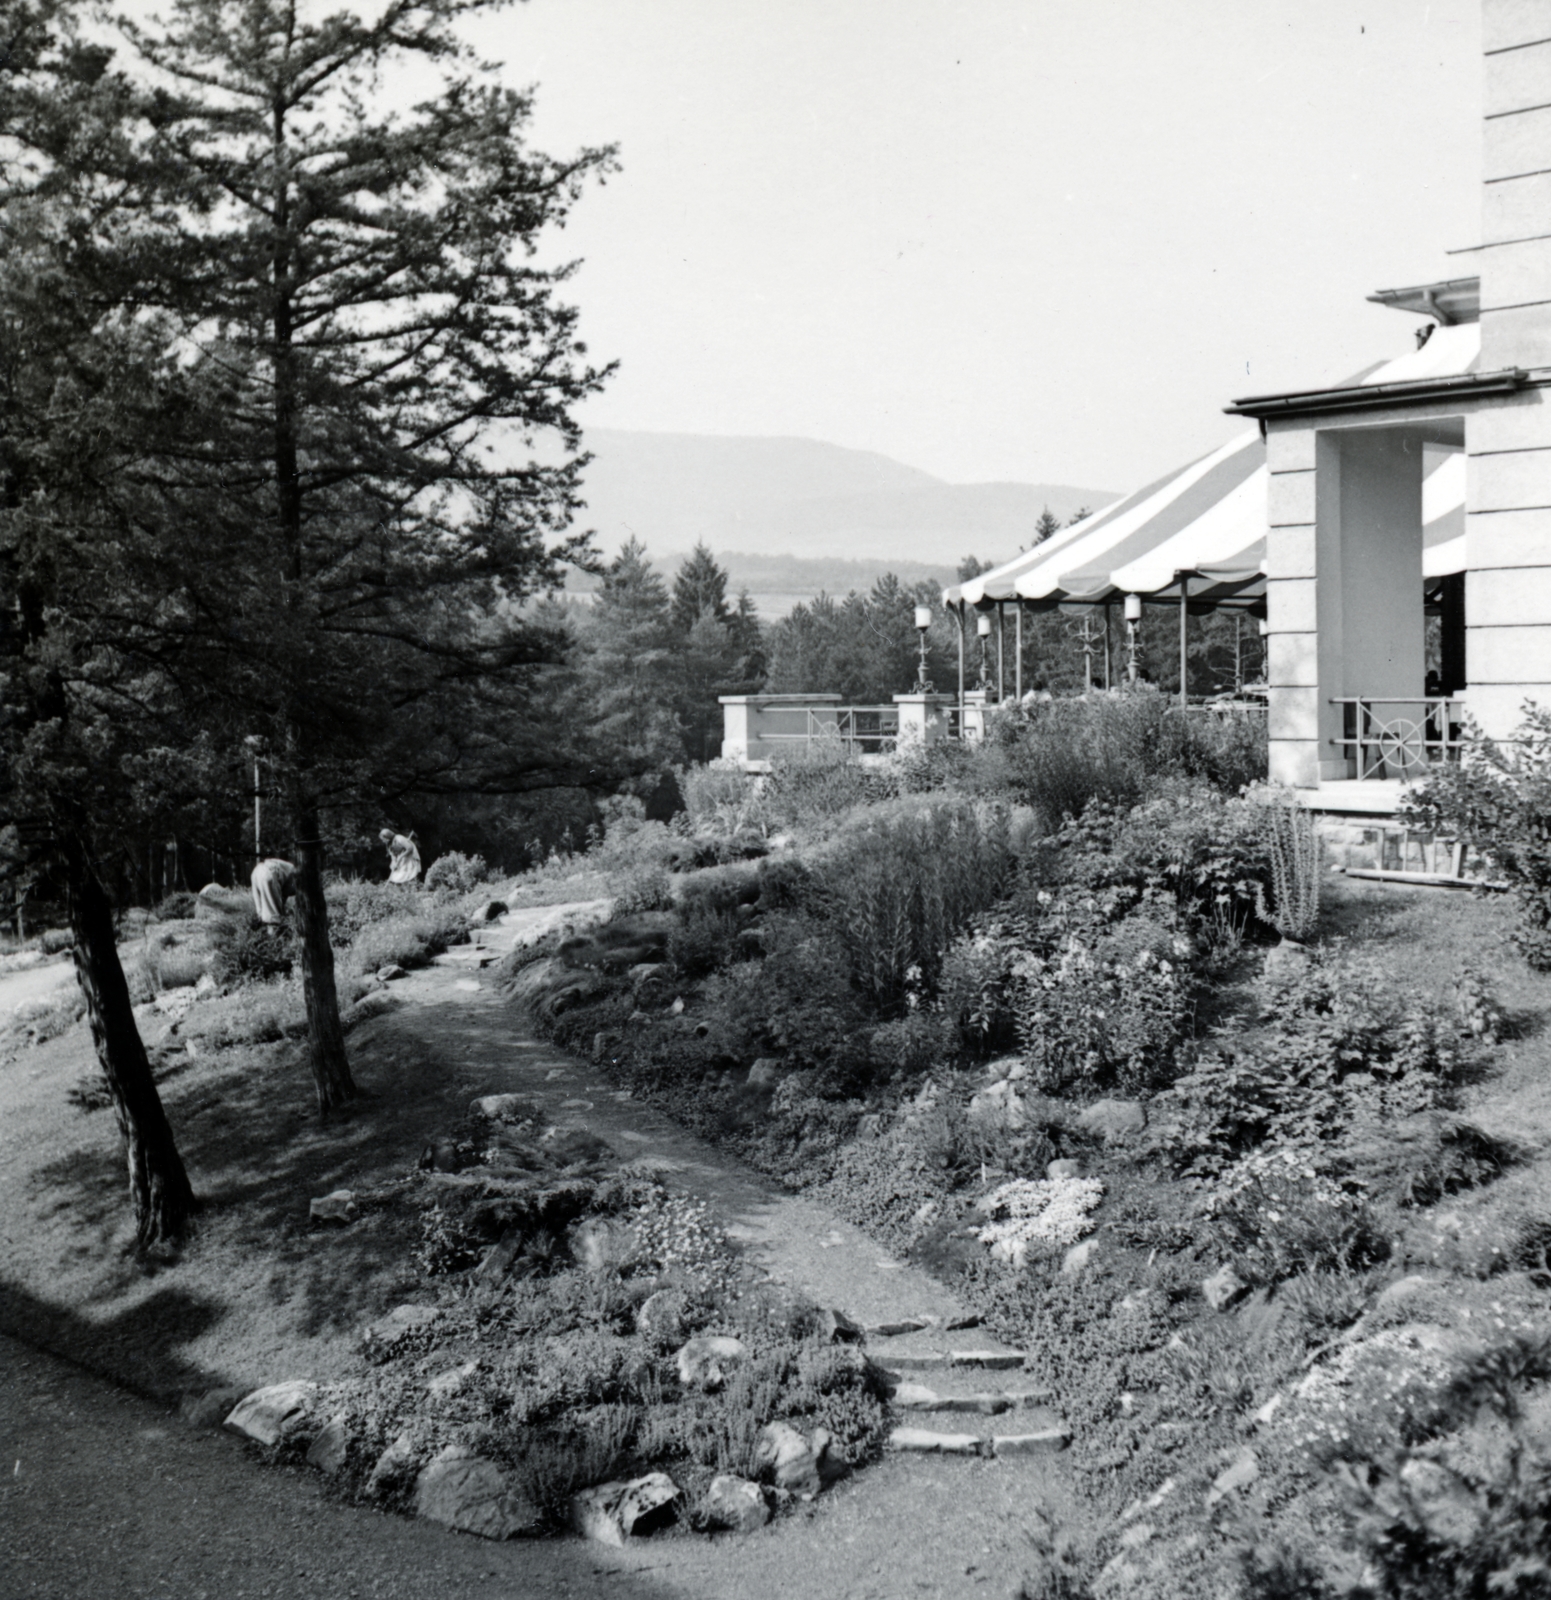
1399 738
862 730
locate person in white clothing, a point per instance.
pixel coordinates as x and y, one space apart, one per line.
403 856
273 883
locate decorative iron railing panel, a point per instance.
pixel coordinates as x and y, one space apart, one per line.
1399 738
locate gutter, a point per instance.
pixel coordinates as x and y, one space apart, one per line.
1369 397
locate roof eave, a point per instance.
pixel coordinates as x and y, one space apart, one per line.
1372 397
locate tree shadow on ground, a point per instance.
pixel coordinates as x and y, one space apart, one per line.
258 1152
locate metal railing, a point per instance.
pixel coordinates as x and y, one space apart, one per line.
862 730
1385 737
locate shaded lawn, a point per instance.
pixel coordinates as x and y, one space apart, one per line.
258 1294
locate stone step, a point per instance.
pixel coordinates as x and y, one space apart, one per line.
464 955
928 1441
966 1358
984 1402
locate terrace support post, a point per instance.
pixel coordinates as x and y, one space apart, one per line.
1107 682
1001 652
1017 663
1184 640
962 609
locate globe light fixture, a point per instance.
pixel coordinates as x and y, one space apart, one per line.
923 622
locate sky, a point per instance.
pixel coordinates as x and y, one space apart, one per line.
1040 240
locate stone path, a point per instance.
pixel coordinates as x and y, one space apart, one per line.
953 1379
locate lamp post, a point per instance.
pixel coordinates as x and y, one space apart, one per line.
1133 617
923 622
983 628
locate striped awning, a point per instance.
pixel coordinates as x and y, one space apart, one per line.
1207 520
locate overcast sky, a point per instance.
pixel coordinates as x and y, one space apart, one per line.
1001 239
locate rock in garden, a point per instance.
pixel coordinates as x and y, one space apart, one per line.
791 1459
464 1491
838 1328
998 1103
1286 958
736 1504
1449 1511
1225 1288
598 1244
391 973
677 1008
269 1415
704 1362
393 1465
602 1043
612 1512
206 987
328 1451
209 1408
1114 1119
1066 1168
1006 1067
489 911
764 1074
336 1207
400 1321
506 1108
451 1382
929 1442
1240 1473
1077 1258
660 1317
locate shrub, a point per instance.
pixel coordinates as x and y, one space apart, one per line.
899 891
455 871
1499 802
721 798
817 782
177 906
248 952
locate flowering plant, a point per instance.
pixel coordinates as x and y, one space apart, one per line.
1049 1211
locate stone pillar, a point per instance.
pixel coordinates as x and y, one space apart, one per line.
923 718
1508 498
1292 612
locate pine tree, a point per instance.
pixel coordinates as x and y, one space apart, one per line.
356 288
699 590
1047 524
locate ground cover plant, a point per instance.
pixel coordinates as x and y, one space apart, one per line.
1291 1238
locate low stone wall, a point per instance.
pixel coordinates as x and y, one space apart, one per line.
1382 844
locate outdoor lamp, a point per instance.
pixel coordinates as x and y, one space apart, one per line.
923 622
983 626
1133 608
1133 616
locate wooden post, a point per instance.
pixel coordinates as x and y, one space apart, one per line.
1001 651
962 608
1017 673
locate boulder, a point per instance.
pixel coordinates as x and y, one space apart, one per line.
454 1381
490 911
838 1328
570 1147
272 1414
782 1450
206 987
1240 1473
703 1362
1114 1120
376 1004
598 1244
401 1320
735 1504
209 1408
612 1512
1007 1067
1077 1258
328 1451
391 973
1448 1510
336 1207
603 1042
1066 1168
393 1465
998 1103
462 1490
1287 958
507 1108
1224 1289
764 1074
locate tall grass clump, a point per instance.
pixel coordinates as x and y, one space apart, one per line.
721 797
901 889
1292 849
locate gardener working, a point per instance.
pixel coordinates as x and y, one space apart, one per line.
273 883
403 856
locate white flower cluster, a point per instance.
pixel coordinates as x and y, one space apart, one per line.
1027 1211
680 1234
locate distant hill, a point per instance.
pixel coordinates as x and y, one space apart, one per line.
804 499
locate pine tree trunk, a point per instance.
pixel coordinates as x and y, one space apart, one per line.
159 1188
330 1065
